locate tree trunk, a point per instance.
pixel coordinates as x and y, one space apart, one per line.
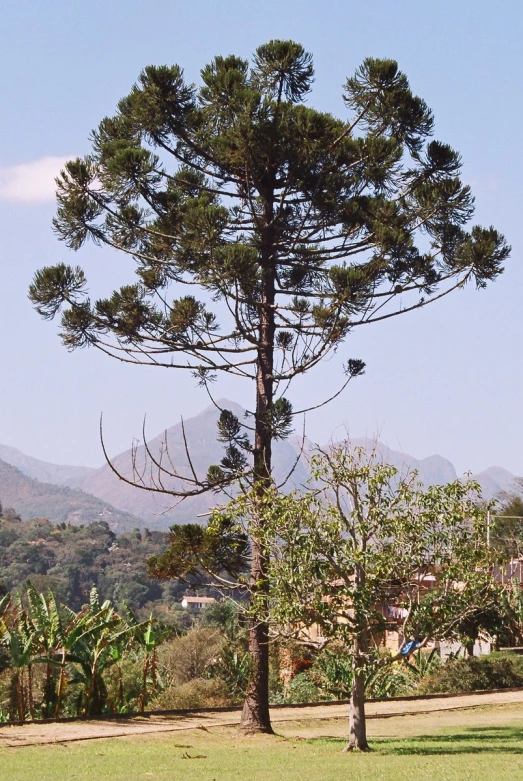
20 694
255 714
143 695
49 691
30 691
357 724
59 692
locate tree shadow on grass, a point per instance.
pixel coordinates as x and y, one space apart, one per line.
472 740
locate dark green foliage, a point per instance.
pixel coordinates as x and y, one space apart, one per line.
302 688
233 668
294 218
224 615
495 671
58 658
233 664
71 559
195 551
56 285
334 669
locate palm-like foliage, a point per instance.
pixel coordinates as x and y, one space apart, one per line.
76 649
147 638
18 636
92 638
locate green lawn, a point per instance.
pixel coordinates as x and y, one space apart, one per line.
480 744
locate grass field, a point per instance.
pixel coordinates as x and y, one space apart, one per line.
481 744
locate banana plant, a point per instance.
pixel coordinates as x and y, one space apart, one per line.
18 637
96 631
147 638
233 667
49 639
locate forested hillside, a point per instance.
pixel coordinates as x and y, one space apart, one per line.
71 559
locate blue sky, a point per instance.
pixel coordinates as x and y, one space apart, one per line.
445 380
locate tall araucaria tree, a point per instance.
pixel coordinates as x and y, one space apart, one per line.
297 225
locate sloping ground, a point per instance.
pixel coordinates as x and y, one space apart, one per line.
33 499
67 732
44 471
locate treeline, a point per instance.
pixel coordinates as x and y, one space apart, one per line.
69 560
57 662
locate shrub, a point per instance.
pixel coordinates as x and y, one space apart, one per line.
392 680
124 685
184 658
303 688
332 671
495 671
232 667
198 693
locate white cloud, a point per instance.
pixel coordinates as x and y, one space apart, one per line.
32 182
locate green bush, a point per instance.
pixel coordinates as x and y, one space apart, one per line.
182 659
393 680
495 671
198 693
124 685
303 688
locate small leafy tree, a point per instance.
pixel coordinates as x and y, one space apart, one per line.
262 231
366 539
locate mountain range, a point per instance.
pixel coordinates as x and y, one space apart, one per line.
80 494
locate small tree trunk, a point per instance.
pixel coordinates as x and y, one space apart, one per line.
154 671
357 724
49 691
255 714
120 687
30 690
143 695
60 692
20 694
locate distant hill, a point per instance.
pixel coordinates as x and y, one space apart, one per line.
160 511
34 499
204 449
436 470
44 471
